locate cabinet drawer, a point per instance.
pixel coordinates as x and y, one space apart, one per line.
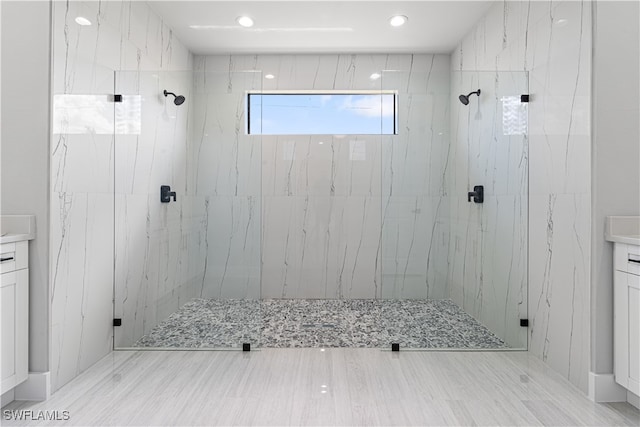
626 258
14 256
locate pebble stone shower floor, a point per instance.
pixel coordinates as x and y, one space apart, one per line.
308 323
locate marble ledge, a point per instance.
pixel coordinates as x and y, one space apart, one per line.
622 229
16 228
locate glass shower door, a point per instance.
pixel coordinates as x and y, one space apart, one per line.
454 272
187 265
489 240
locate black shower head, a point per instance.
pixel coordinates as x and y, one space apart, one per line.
178 99
465 98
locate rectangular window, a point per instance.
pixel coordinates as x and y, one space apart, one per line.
326 113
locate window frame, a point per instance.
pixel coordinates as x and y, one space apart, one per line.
319 92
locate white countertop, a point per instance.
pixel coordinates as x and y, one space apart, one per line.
16 228
623 229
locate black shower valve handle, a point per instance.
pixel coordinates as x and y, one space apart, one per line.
477 194
166 194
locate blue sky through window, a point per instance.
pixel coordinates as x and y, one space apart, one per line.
321 114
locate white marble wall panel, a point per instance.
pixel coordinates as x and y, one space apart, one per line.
321 247
82 287
320 72
415 240
226 161
321 165
552 41
232 255
414 185
225 173
559 282
322 194
124 35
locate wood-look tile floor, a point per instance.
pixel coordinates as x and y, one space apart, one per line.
328 387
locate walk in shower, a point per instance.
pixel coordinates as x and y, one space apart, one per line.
318 239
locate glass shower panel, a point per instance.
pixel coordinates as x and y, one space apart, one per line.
489 241
415 207
454 272
187 267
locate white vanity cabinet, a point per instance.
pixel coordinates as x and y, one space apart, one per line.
626 313
14 315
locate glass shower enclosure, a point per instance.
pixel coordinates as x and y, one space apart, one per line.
187 269
320 240
488 247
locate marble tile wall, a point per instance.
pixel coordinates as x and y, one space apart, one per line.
332 225
415 169
226 167
125 35
552 41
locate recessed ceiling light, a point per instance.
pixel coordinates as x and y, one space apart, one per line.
269 76
398 20
561 22
80 20
245 21
375 76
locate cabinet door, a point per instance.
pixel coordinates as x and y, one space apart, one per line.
620 329
633 289
8 331
14 332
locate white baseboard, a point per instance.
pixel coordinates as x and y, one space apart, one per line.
633 399
604 388
7 398
37 387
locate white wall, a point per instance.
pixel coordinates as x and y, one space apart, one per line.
125 35
616 154
25 149
322 209
551 40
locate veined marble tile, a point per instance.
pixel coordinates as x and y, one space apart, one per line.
232 263
227 162
82 285
530 37
321 247
413 237
321 165
124 36
322 209
76 157
559 305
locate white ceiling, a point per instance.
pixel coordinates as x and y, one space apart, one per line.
320 26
